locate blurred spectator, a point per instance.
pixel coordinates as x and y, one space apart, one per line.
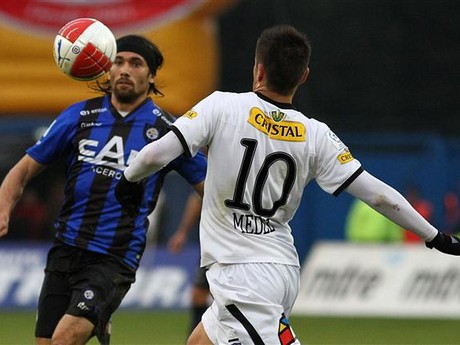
452 210
364 225
30 217
423 206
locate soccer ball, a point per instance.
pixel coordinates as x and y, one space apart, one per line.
84 49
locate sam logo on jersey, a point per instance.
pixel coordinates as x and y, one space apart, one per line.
108 160
275 125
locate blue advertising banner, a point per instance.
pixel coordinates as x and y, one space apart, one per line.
164 280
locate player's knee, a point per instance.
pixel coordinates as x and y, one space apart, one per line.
70 338
72 330
199 336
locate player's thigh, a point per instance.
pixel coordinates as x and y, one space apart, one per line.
72 330
251 303
54 299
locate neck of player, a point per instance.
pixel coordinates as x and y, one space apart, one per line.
274 96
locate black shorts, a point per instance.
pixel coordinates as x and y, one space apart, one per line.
80 283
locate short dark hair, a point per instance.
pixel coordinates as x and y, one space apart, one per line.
285 54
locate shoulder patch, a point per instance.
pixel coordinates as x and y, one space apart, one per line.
191 114
345 157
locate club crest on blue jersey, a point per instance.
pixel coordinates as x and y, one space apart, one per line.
150 132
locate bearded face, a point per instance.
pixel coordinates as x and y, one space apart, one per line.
130 78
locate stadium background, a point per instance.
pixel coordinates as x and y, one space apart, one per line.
384 76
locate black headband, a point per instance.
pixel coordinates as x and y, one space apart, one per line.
140 45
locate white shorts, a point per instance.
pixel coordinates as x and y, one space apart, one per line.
252 303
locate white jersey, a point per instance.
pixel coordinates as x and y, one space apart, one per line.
261 155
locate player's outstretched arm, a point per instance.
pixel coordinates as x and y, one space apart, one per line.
13 186
389 202
129 191
153 157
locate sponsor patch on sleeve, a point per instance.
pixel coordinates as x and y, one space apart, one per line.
345 157
191 114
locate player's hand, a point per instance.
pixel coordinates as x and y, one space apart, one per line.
177 242
447 244
129 194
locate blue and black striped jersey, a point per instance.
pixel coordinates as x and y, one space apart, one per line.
98 144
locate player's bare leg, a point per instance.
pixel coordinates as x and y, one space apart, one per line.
199 336
200 302
42 341
72 330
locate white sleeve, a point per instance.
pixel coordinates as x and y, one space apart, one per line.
198 125
153 157
335 163
389 202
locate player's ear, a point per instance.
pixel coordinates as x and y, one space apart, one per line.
260 72
305 76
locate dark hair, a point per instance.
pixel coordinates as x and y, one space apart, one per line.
285 53
148 50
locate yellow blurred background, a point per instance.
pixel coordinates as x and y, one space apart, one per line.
31 83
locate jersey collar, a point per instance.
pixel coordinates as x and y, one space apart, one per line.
117 114
278 104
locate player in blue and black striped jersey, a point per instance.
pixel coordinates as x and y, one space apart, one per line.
98 243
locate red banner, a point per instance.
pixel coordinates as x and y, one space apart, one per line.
50 15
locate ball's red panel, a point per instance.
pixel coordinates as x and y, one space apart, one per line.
73 29
90 62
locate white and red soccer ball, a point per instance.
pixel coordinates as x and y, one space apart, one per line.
84 49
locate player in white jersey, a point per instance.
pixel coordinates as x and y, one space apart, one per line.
261 155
